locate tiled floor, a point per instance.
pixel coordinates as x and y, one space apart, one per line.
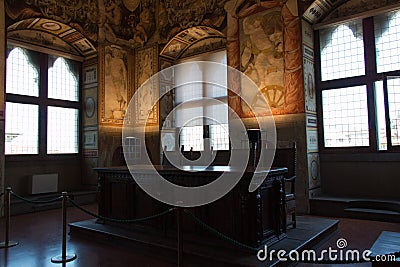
39 236
360 235
206 249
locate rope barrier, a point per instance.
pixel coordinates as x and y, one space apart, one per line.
253 249
214 231
219 234
91 213
121 220
36 201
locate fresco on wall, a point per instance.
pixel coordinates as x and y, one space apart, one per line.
280 79
90 75
146 66
209 44
309 85
175 16
166 82
308 67
329 10
312 139
82 15
174 48
116 83
114 86
128 23
313 170
90 106
349 8
316 11
311 120
90 136
307 34
192 41
261 55
50 33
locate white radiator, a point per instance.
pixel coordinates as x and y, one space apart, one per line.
44 183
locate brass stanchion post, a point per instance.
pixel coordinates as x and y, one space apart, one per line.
7 243
64 257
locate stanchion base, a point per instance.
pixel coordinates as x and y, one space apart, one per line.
61 259
10 244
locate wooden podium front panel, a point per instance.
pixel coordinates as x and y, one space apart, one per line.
253 218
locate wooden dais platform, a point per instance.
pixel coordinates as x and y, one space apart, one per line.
205 250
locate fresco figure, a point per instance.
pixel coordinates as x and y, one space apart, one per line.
115 84
145 72
262 55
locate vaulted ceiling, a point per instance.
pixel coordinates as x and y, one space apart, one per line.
50 33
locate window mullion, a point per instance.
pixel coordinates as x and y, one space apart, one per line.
373 131
370 76
369 48
387 117
23 99
43 105
62 103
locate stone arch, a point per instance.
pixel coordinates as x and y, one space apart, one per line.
194 40
51 34
326 10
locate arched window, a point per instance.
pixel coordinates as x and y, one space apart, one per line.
42 104
22 119
342 51
387 40
63 79
360 84
22 74
62 122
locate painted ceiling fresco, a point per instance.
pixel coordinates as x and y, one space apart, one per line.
47 32
134 23
189 38
129 23
326 10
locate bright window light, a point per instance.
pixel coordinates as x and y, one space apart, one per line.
342 51
345 117
22 127
22 76
62 130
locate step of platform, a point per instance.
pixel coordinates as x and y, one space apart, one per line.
370 209
205 250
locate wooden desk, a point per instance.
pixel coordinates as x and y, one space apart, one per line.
253 218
